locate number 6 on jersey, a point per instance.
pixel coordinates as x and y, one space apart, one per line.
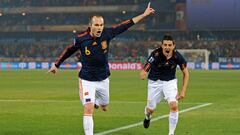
87 52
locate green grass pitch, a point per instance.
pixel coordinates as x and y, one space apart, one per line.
35 103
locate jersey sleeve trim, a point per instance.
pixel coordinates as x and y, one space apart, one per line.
147 67
65 54
183 66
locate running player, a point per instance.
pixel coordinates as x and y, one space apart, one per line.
93 76
162 82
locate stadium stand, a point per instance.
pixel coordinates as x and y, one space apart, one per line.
42 36
55 3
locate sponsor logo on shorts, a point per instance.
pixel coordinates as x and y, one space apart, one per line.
88 100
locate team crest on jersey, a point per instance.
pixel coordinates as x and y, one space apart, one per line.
88 100
94 43
104 44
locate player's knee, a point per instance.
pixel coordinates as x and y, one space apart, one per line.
88 109
151 105
104 107
173 106
150 110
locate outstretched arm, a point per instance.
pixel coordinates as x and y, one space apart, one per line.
147 12
65 54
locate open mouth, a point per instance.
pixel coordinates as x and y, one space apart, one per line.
167 51
99 32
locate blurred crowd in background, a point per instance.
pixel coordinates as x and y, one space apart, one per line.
121 49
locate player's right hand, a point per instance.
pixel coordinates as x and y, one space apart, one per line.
181 95
143 74
53 69
149 10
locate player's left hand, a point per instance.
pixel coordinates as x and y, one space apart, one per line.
148 10
181 95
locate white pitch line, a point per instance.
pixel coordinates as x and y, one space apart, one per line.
144 102
155 119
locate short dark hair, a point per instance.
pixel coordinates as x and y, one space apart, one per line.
168 37
91 17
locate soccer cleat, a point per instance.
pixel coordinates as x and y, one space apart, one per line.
96 106
146 123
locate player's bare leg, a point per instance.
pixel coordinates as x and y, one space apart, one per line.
148 115
88 119
173 117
